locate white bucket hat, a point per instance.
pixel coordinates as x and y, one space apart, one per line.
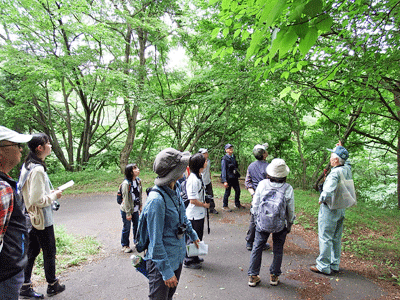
278 168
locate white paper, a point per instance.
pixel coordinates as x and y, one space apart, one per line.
191 249
66 185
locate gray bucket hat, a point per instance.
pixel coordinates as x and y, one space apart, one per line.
169 165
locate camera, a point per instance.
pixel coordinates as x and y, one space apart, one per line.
55 205
208 198
136 202
181 231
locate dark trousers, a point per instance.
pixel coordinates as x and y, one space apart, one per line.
256 254
251 233
198 226
45 240
157 288
209 191
232 183
126 228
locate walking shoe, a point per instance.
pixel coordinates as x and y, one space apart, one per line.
226 208
254 280
274 279
27 292
126 249
266 246
316 270
213 211
55 288
192 266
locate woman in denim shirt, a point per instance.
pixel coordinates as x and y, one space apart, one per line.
167 225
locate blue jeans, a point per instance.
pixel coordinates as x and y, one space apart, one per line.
330 229
9 289
126 229
256 254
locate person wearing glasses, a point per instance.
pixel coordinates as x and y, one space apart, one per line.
39 196
13 231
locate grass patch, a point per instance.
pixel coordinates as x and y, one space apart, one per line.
71 251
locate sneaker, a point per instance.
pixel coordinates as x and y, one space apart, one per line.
192 266
266 246
126 249
226 208
27 292
55 288
254 280
213 211
274 279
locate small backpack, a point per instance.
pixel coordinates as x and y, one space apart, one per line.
272 210
119 194
142 235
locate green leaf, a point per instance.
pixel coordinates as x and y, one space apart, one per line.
284 92
215 32
257 61
237 32
285 75
228 22
271 12
313 8
295 95
288 40
225 4
325 23
229 50
225 32
308 41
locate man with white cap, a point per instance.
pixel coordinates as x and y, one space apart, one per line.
330 221
206 176
256 172
13 231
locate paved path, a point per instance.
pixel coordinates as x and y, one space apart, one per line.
224 273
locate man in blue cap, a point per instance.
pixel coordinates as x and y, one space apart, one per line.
230 177
330 221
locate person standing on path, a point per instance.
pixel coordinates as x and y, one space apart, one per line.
131 205
330 221
13 230
164 214
206 176
272 195
256 172
230 177
39 197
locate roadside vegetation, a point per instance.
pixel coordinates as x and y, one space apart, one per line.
371 232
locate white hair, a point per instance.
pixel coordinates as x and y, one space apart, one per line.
341 160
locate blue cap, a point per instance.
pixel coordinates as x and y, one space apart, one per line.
227 146
341 152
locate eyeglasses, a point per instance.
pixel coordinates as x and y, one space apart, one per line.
15 144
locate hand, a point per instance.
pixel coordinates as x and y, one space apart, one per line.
206 205
58 193
172 282
129 218
226 184
196 243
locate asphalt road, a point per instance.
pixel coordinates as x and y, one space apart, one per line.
224 272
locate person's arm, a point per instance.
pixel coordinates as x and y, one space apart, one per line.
37 189
330 185
155 226
289 195
6 209
248 183
127 203
223 171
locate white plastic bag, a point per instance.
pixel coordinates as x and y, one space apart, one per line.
191 249
345 194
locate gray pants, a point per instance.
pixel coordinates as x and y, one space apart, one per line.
157 288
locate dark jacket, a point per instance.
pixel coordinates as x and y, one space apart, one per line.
13 255
229 168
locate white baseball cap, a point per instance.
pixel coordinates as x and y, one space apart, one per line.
13 136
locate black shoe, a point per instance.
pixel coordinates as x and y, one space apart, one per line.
192 266
266 246
213 211
55 288
240 207
200 260
27 292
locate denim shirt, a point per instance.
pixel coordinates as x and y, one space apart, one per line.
163 219
331 181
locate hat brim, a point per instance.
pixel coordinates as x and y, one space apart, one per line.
176 173
20 138
271 172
